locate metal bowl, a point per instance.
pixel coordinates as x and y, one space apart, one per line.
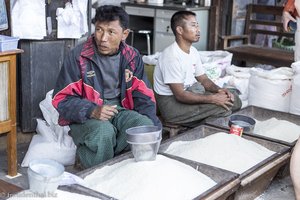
144 151
144 142
143 134
248 123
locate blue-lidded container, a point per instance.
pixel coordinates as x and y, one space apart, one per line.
8 43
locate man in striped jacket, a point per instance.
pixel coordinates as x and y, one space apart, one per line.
102 90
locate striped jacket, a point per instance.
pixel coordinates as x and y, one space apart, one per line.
290 7
79 87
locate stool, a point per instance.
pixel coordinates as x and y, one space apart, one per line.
145 32
173 129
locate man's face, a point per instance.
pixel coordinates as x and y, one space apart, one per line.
191 29
108 36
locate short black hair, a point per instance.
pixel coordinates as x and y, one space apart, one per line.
178 19
108 13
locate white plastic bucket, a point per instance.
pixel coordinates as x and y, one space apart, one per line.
44 176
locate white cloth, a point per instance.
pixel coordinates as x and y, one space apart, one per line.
28 19
176 66
72 20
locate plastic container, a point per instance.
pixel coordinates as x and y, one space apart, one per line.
247 123
156 1
44 175
144 142
8 43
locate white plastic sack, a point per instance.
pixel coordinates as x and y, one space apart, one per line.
151 59
295 96
230 81
223 81
244 103
45 144
50 114
215 62
240 79
239 72
271 88
52 140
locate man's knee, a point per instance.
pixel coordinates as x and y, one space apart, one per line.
237 104
103 129
133 118
100 133
143 120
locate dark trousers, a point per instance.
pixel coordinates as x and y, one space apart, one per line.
191 115
98 141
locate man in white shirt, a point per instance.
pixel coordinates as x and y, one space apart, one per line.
184 94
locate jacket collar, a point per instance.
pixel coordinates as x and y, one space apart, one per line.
89 48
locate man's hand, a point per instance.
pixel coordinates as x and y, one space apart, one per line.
104 112
223 99
227 92
286 17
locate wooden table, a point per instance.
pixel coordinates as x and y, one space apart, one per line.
8 123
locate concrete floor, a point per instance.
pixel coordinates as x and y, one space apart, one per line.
280 189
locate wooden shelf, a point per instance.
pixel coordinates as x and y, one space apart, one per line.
8 125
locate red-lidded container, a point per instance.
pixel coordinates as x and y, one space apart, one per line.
236 130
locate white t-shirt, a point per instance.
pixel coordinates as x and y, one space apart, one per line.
176 66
